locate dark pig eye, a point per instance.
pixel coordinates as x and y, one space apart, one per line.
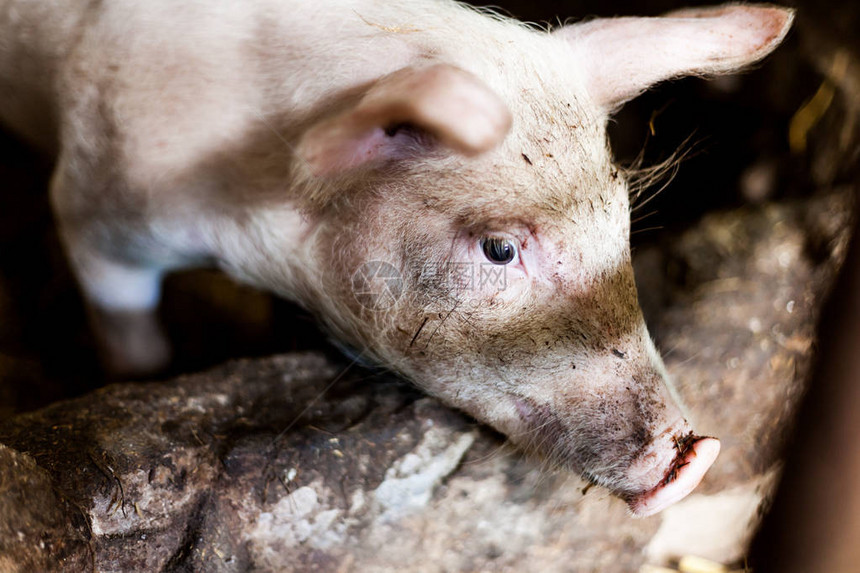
498 250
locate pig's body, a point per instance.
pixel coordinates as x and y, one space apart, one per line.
293 142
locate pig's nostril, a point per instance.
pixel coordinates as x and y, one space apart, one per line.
686 471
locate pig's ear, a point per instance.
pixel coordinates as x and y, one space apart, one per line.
453 106
622 57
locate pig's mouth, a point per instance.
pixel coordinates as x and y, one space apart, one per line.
664 471
694 455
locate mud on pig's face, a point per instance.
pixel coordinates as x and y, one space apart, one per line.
496 230
521 309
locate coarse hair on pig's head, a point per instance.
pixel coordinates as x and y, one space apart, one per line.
474 234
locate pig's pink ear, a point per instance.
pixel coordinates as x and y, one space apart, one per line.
621 57
452 105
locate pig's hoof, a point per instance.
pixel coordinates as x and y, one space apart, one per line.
144 358
132 344
686 473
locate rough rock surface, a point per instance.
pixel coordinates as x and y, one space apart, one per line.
302 462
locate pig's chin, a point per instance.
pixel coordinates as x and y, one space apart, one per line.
686 469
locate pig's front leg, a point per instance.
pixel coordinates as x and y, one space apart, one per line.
121 296
132 343
122 303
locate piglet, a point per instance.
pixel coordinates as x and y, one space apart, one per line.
432 181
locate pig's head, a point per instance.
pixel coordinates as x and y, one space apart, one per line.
475 237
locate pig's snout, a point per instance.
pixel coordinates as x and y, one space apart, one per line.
676 464
664 470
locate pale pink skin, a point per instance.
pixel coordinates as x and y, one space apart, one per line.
692 467
289 142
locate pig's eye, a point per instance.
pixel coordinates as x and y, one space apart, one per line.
498 250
